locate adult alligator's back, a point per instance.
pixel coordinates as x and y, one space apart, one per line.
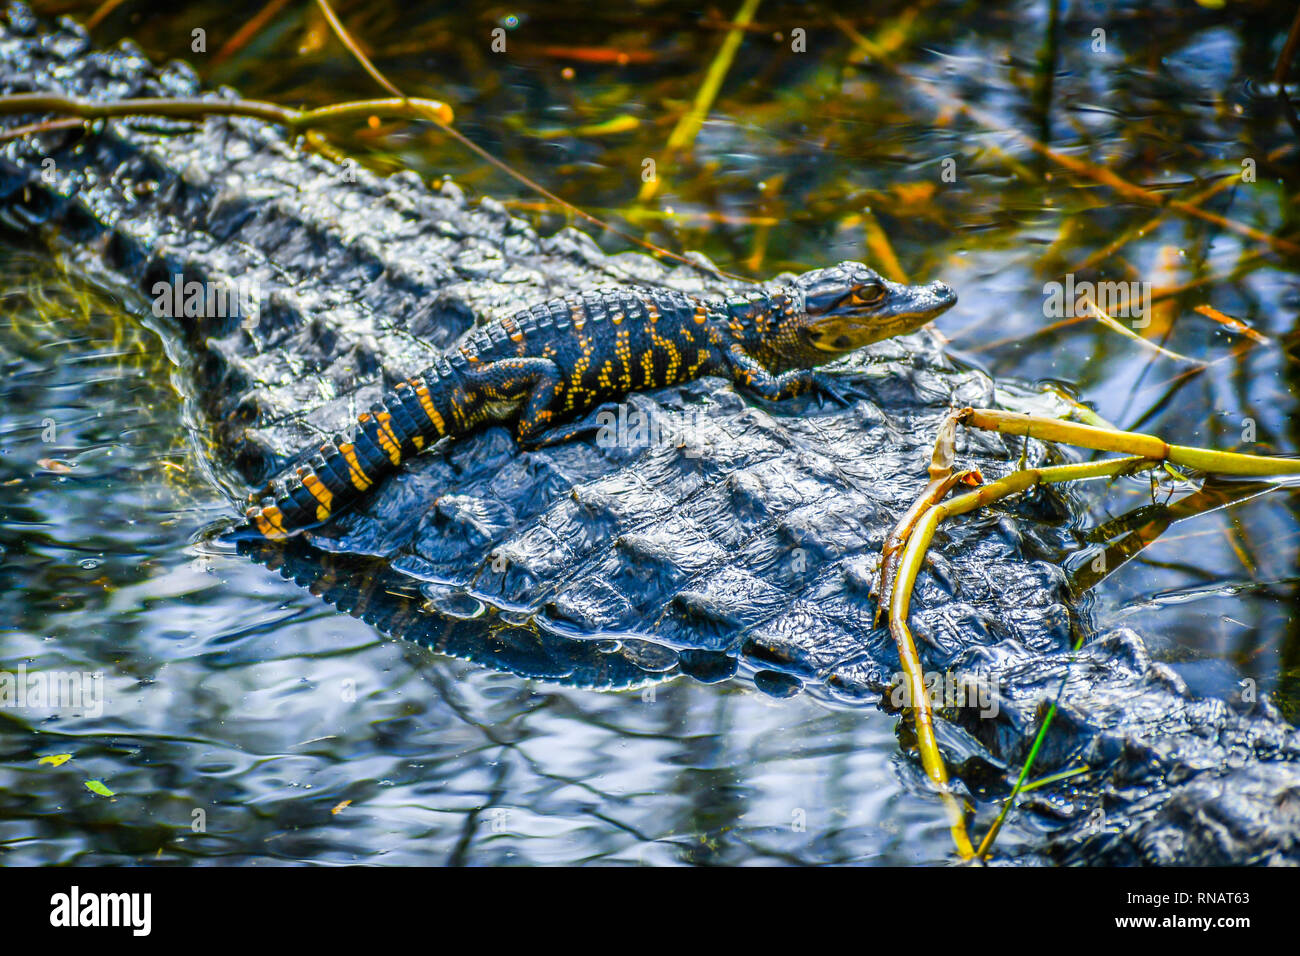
744 542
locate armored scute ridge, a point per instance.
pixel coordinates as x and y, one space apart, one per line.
745 545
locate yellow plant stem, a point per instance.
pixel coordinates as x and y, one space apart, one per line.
942 481
688 127
915 531
1131 443
900 599
934 492
926 742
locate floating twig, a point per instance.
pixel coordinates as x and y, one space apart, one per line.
249 30
197 108
688 127
1110 323
354 48
1080 167
1236 325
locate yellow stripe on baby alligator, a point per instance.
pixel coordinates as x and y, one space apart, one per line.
388 438
264 527
317 489
426 402
271 516
357 473
700 315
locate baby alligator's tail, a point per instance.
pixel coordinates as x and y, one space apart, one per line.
407 420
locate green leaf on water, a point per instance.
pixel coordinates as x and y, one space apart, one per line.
96 786
55 760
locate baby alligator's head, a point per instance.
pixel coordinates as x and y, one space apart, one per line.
848 306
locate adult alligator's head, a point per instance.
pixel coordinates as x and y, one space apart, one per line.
850 305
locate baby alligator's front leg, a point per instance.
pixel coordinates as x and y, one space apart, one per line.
747 374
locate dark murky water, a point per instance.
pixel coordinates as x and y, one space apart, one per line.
234 699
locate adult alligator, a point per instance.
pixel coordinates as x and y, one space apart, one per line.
745 544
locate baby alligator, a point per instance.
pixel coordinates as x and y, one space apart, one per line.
546 365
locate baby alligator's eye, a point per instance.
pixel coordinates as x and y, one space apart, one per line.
868 294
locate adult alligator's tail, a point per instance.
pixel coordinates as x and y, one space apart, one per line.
401 425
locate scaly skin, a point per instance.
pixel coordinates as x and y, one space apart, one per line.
545 366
